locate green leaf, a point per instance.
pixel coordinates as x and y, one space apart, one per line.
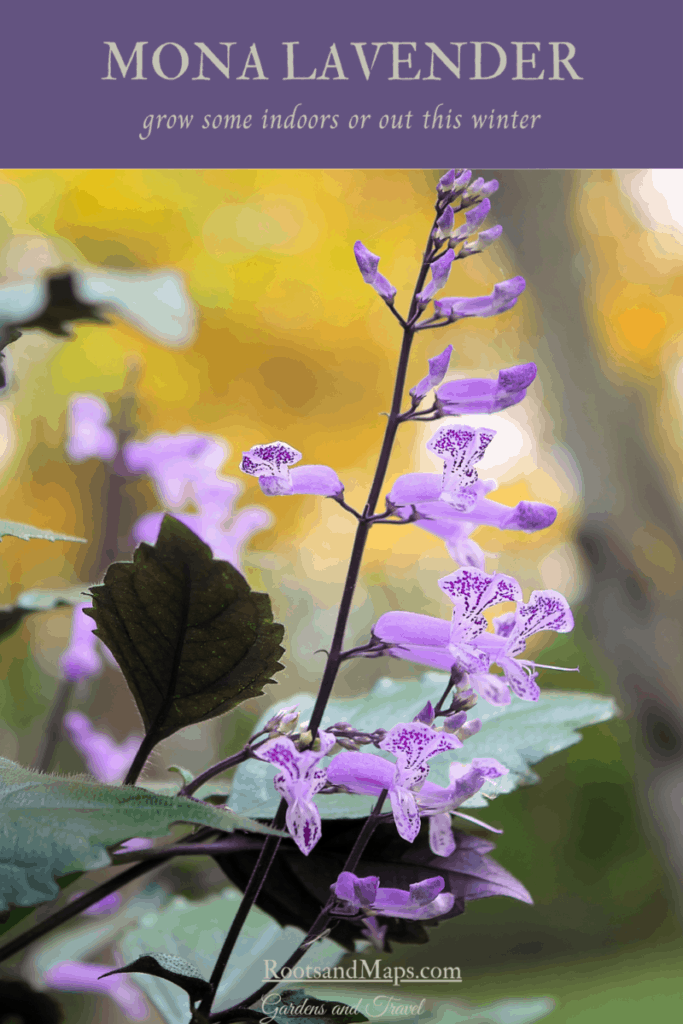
37 601
170 968
9 919
191 637
184 773
51 825
318 1009
23 531
518 735
195 932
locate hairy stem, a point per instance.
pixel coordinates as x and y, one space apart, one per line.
217 769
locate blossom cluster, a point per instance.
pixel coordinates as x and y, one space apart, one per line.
450 504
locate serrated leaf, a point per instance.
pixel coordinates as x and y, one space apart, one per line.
196 931
518 735
320 1009
36 601
171 968
51 825
23 531
191 637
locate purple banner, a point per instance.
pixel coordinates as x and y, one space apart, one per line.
352 84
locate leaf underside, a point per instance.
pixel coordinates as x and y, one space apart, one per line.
23 531
191 637
52 825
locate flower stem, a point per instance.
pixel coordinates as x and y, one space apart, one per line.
216 769
362 530
321 921
251 892
334 657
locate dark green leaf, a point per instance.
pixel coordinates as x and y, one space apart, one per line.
191 637
25 532
316 1009
171 968
51 825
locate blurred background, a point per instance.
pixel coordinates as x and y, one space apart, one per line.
291 345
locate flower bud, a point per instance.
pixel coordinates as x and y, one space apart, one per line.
469 729
445 183
426 716
444 224
455 722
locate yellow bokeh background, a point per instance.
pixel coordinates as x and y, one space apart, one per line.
292 345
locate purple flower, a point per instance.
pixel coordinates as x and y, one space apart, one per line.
422 901
452 504
73 976
444 224
483 240
412 744
464 643
438 367
503 297
446 181
488 188
271 462
367 264
184 468
460 447
440 268
299 780
81 660
454 181
88 434
225 533
176 462
425 491
440 802
473 219
106 759
477 395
